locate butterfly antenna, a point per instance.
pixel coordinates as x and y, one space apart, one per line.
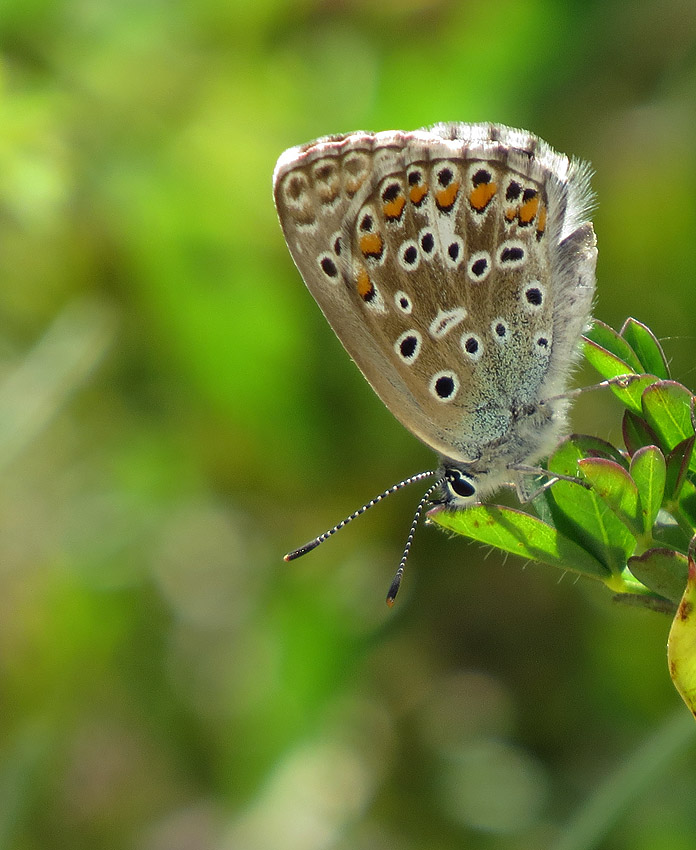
396 581
296 553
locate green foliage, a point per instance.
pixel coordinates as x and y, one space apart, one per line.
639 506
632 527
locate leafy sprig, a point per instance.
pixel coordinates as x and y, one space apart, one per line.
633 527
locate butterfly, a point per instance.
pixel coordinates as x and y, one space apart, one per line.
456 264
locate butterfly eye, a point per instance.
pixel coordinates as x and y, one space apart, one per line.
459 484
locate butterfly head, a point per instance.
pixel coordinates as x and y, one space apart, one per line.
463 485
459 488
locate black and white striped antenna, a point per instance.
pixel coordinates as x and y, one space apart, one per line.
396 582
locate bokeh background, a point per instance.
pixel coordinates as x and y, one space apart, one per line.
175 415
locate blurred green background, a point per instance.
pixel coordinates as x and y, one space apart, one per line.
175 414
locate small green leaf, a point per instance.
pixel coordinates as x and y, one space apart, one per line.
667 409
607 338
521 534
681 646
632 393
648 350
582 515
637 432
661 570
648 470
605 362
617 489
678 461
597 447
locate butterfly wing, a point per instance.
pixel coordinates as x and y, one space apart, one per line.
452 264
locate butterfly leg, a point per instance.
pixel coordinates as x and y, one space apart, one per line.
622 381
525 495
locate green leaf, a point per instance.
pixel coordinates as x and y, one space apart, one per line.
648 470
583 515
591 446
667 409
631 394
678 461
617 489
661 570
613 357
637 432
648 350
604 337
607 364
521 534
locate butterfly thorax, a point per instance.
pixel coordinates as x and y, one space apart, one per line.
534 430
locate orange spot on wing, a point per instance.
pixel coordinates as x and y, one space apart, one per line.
365 288
417 193
541 222
528 210
511 213
371 245
445 198
393 209
480 196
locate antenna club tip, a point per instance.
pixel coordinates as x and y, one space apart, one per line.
296 553
393 590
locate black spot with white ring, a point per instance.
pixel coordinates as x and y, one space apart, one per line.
408 346
444 386
472 346
328 266
427 242
543 343
454 253
403 302
533 297
479 266
500 330
511 254
409 256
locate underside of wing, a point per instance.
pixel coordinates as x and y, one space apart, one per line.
446 265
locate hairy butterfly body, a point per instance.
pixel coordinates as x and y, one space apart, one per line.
456 265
